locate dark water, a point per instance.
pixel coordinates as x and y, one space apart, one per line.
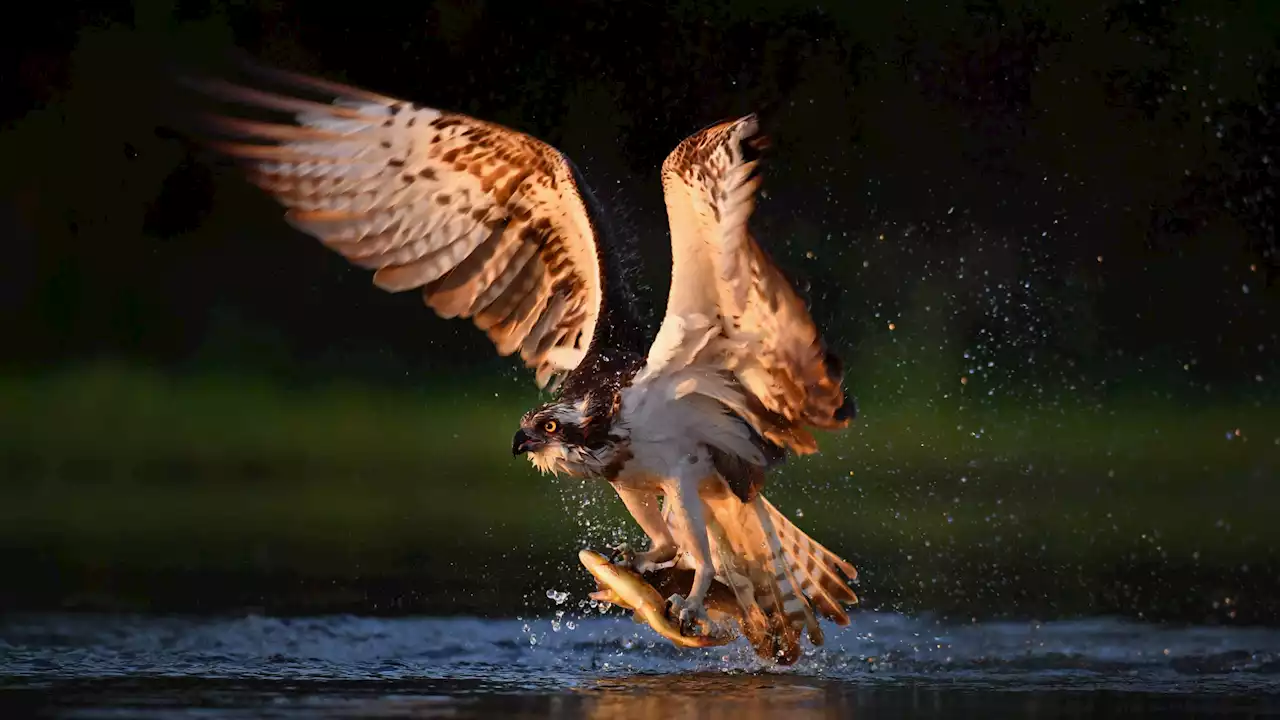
884 666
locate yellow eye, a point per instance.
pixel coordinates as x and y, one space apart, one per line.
550 426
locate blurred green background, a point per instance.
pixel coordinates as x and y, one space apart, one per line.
244 494
1042 239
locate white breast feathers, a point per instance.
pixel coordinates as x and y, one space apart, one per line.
670 416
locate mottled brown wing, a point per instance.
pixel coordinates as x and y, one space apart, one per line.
725 287
488 222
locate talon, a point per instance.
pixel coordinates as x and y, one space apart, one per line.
693 621
673 606
622 554
690 615
644 567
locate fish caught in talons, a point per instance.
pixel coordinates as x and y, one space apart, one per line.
645 598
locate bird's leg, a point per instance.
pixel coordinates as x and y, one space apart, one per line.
686 513
643 506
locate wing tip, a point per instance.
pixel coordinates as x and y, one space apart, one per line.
848 408
752 144
847 411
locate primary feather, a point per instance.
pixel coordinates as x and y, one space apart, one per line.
488 223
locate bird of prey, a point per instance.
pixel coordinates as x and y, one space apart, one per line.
495 226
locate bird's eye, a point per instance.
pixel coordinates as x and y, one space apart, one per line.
550 426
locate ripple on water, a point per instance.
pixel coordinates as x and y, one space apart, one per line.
91 666
877 648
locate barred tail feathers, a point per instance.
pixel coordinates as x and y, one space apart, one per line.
778 574
823 575
759 609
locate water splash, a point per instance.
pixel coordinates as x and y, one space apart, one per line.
877 647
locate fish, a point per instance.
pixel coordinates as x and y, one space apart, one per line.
620 585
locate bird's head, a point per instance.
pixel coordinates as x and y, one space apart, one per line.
555 437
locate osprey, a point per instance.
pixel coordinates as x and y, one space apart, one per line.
496 226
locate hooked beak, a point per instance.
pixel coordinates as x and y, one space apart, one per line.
522 443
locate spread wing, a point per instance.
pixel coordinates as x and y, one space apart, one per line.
488 223
730 309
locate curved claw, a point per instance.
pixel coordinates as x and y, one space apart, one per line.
622 554
690 614
642 562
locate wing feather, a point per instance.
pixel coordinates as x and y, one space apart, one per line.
723 280
489 223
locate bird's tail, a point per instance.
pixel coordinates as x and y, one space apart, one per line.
779 575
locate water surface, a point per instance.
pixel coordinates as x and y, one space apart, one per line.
884 664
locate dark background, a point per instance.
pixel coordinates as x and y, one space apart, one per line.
1041 234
